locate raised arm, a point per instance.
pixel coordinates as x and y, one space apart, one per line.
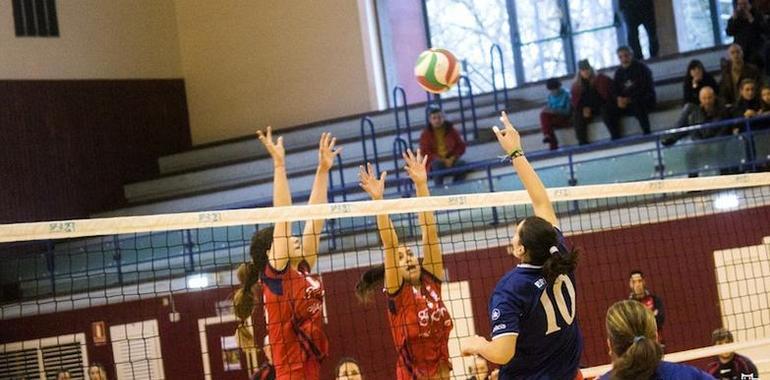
432 259
510 141
375 187
279 254
311 236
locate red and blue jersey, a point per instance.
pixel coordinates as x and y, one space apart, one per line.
543 316
673 371
420 324
293 302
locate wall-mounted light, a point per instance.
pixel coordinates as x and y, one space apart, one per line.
726 201
197 281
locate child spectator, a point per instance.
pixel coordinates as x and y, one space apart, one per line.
556 113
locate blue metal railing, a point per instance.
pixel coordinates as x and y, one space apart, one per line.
399 148
460 81
492 50
398 90
366 121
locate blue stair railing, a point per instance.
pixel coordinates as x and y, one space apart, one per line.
492 50
398 90
461 80
366 121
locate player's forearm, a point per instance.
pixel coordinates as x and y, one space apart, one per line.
281 197
498 351
535 189
311 236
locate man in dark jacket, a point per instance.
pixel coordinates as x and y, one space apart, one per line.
734 72
640 12
747 26
443 145
634 89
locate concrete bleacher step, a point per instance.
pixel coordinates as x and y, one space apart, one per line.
250 193
260 170
305 137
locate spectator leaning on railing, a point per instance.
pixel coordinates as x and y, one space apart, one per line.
748 103
711 109
591 95
735 71
635 90
556 113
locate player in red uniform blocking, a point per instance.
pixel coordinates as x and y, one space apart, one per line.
419 321
281 263
532 311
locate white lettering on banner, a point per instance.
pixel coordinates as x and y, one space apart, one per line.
61 227
340 209
209 217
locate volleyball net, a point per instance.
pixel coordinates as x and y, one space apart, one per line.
150 297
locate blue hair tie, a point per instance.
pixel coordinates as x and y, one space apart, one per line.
639 338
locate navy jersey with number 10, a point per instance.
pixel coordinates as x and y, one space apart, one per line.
544 318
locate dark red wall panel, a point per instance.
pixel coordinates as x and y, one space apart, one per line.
677 257
69 146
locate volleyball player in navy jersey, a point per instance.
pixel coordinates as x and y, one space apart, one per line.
535 333
632 336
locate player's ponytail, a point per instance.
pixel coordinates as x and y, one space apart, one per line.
369 282
632 332
243 302
541 243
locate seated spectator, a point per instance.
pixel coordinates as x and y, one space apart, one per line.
591 95
735 71
694 80
730 365
63 374
711 109
748 104
634 89
764 104
443 145
348 369
747 26
556 113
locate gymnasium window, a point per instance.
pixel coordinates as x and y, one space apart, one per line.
35 18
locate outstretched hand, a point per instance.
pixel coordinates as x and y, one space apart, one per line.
275 149
326 151
508 138
415 166
373 186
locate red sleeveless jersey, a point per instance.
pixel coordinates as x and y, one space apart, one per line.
293 302
420 324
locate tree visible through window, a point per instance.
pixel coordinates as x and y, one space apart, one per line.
468 28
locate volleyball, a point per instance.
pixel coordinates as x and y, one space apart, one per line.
437 70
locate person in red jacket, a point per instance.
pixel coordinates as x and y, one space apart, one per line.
592 95
443 145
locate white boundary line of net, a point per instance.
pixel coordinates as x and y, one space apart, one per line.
205 219
683 356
